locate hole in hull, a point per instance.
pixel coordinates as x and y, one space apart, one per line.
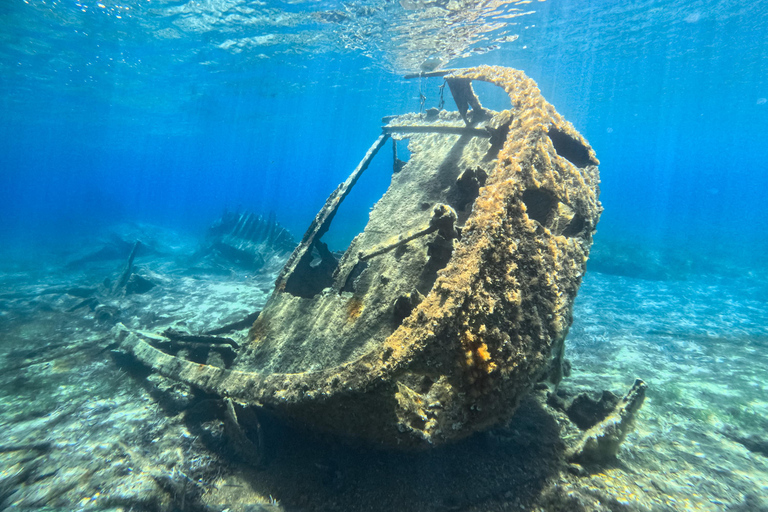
400 154
468 187
570 148
575 227
540 204
349 284
491 95
314 272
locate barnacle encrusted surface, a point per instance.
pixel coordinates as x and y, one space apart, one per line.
454 300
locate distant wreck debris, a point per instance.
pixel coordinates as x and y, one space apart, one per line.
120 243
127 273
246 240
452 303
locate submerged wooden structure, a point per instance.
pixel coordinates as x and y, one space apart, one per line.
451 304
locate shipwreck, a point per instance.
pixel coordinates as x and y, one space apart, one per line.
451 304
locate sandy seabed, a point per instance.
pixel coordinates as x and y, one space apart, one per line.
82 428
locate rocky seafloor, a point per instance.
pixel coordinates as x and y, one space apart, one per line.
81 428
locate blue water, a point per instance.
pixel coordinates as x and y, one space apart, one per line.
170 111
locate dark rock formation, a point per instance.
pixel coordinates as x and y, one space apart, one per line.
587 412
601 443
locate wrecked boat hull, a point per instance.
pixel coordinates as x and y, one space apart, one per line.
455 299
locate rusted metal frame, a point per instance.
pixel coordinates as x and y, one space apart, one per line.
465 97
400 241
451 130
323 219
430 74
461 90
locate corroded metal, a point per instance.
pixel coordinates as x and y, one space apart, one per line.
454 300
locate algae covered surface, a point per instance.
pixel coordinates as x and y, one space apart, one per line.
450 304
83 428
